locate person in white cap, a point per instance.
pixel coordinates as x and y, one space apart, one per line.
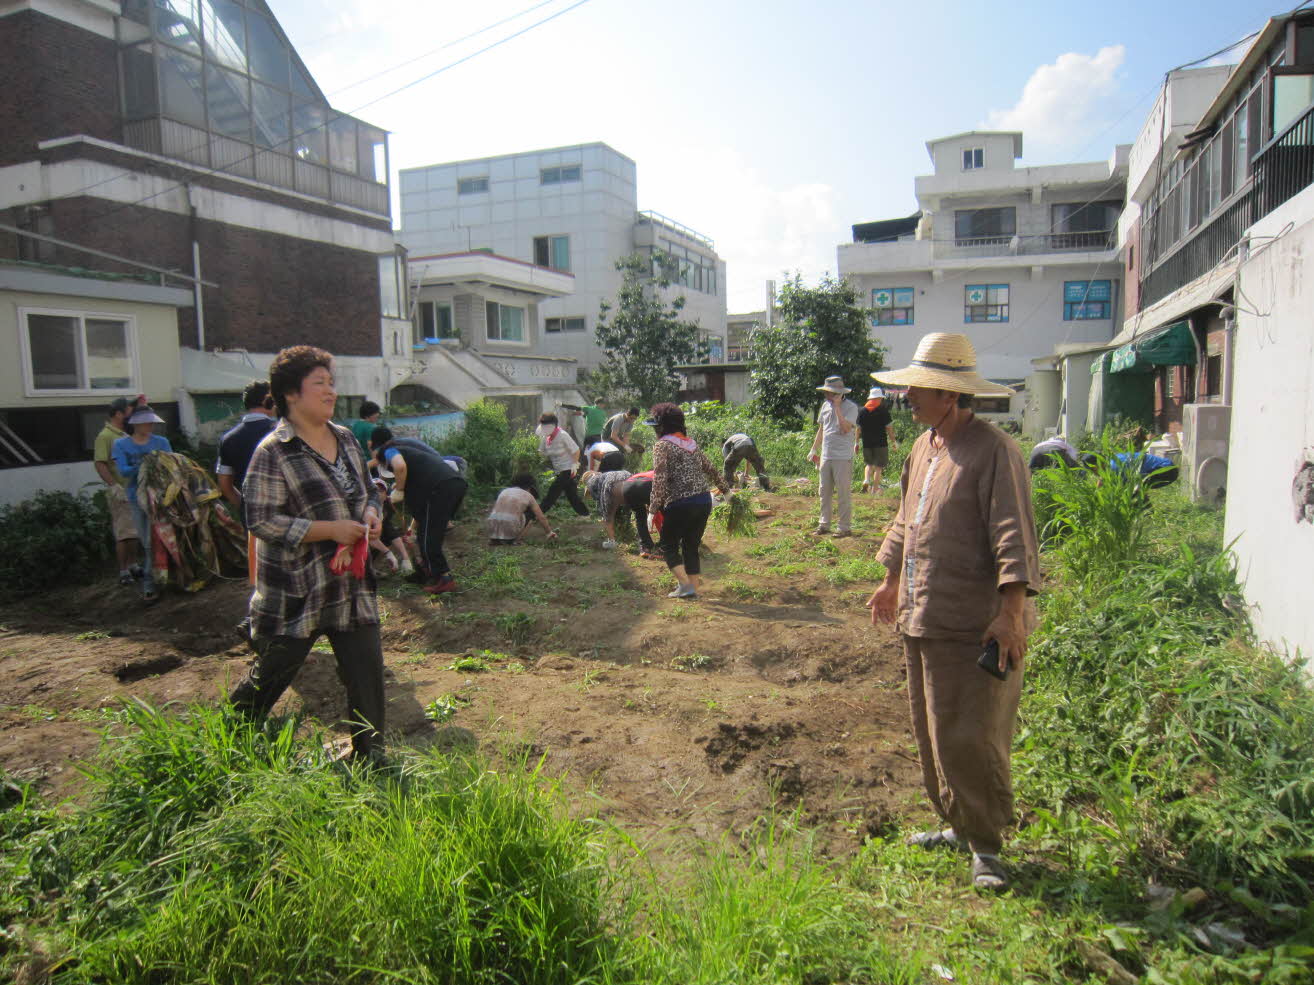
832 452
961 558
877 429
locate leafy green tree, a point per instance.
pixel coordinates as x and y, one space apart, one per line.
822 331
643 337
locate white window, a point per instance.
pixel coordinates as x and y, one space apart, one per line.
559 176
392 286
973 158
564 324
553 252
505 323
434 321
78 352
472 186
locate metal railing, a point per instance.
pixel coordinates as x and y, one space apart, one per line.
1094 241
1279 172
656 218
169 138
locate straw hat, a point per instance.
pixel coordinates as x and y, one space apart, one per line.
834 384
944 361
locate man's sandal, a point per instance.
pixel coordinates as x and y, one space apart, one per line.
988 873
934 839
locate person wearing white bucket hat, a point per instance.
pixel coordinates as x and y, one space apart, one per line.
877 429
128 452
832 453
961 558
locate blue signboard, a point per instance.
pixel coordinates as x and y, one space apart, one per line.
1082 291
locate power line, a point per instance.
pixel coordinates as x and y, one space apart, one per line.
250 156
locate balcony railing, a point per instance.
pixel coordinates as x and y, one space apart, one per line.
1279 172
648 216
169 138
1095 241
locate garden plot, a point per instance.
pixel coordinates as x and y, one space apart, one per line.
773 687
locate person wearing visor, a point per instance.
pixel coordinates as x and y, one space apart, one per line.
129 451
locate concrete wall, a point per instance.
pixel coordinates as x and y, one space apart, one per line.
156 346
1004 349
1273 427
24 483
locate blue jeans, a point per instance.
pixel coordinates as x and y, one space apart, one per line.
144 535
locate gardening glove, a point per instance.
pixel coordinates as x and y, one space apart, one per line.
397 497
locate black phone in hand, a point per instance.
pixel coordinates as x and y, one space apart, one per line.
989 661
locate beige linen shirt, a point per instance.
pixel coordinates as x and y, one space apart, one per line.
965 528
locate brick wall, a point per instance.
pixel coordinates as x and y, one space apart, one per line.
57 80
273 291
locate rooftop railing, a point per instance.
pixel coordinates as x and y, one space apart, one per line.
656 218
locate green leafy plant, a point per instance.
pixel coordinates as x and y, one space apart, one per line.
54 538
444 707
470 665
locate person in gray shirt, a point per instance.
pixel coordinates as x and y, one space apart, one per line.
741 448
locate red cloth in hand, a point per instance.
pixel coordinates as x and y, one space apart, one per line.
351 558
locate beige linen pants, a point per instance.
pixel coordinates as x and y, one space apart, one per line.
837 478
963 719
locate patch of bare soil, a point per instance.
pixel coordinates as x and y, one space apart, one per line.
664 715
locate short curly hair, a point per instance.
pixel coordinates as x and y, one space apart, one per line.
290 367
667 419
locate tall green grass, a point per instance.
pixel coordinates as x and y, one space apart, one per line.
213 851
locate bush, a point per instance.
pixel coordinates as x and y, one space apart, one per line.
54 538
489 446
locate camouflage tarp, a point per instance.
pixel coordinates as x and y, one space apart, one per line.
195 537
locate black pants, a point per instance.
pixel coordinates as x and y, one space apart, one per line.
564 483
432 514
682 532
636 497
754 458
359 653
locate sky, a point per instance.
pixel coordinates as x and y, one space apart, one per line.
770 126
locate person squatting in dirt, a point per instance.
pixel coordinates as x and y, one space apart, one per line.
514 510
308 499
961 558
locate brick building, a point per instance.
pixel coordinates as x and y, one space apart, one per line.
187 142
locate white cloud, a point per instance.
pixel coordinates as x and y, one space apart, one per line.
762 231
1061 101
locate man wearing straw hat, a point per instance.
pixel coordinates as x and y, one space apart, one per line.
832 452
961 559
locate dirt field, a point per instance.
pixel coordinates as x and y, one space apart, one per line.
661 714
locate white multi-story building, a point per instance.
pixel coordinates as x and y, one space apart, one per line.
1019 259
570 209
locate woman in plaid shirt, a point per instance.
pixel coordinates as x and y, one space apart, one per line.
306 492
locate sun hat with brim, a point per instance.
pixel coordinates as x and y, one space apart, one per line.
144 415
875 393
834 384
944 361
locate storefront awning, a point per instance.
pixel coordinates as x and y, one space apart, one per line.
1172 345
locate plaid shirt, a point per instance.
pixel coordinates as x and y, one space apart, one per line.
286 487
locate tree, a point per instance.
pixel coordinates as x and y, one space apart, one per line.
643 337
822 331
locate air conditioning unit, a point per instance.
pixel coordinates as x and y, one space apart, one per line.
1206 430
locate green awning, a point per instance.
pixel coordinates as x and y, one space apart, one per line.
1172 345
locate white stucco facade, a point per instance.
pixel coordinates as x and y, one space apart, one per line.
1272 437
574 204
993 225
